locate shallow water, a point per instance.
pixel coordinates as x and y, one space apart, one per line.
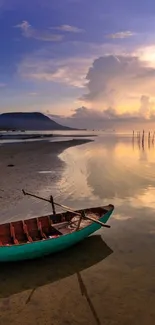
109 169
110 277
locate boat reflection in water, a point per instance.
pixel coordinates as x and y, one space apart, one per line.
20 276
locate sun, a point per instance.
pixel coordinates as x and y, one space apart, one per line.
147 54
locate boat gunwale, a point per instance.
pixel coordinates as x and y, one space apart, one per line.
63 235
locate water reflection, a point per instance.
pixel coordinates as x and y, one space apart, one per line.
143 144
85 293
116 170
108 170
37 273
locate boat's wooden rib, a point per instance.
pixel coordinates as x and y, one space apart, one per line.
48 234
43 235
25 229
12 230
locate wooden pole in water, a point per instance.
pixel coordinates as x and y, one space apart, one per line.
133 138
153 137
149 136
143 134
143 138
138 137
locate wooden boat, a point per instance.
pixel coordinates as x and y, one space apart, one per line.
40 236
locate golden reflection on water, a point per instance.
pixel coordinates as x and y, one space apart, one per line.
109 170
96 282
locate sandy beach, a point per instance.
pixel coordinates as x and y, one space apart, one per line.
30 160
109 278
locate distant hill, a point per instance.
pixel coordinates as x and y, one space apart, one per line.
29 121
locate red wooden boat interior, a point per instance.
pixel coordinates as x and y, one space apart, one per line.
42 228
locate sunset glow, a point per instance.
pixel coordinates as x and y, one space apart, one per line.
104 62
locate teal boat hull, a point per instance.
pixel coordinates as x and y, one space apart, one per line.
49 246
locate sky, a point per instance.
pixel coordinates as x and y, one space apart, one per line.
84 62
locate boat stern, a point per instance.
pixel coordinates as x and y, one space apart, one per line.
109 207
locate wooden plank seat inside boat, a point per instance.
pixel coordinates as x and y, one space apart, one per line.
46 225
20 232
62 222
39 228
42 228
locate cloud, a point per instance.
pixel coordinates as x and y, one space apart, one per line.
147 54
104 115
55 115
33 94
69 71
68 28
147 107
109 118
84 117
42 35
121 35
115 80
2 85
121 86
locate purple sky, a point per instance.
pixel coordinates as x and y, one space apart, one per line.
62 55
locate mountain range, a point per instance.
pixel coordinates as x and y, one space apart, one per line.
29 121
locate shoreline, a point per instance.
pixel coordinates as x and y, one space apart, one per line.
41 136
36 165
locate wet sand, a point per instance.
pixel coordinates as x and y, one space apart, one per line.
30 162
108 279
